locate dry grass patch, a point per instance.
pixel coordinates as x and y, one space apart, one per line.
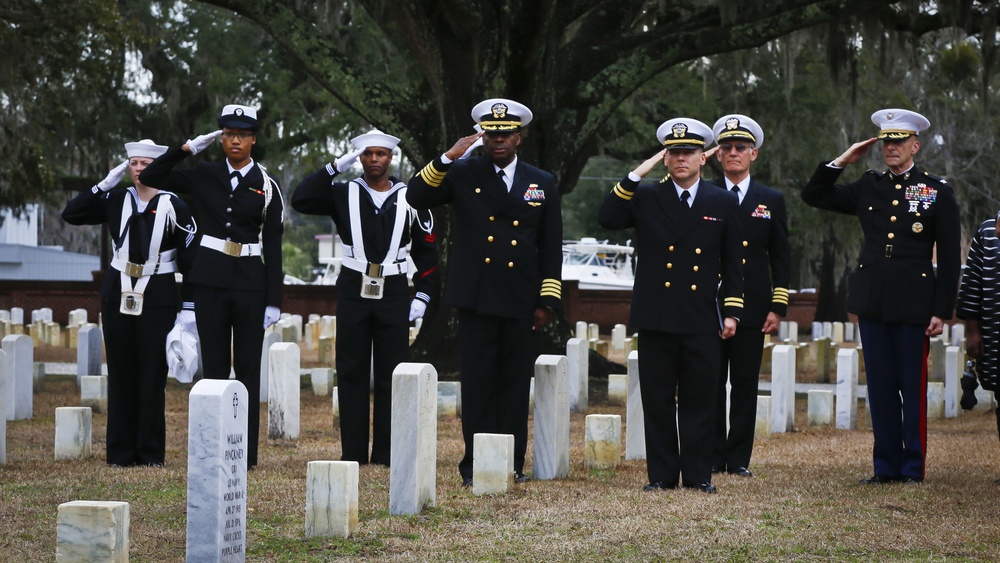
804 502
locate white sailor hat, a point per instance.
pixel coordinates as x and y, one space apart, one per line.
684 133
236 116
737 127
145 148
898 124
500 114
375 138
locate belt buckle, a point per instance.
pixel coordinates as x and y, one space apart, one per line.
888 251
232 248
374 270
133 270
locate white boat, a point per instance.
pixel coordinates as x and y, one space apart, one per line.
597 264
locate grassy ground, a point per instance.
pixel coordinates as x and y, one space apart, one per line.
804 502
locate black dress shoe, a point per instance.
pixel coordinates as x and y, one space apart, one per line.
718 468
521 478
741 471
912 480
658 485
467 482
877 480
703 487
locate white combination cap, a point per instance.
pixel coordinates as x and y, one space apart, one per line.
684 133
897 124
735 127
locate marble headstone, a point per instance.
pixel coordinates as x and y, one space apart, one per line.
578 356
413 473
331 498
603 441
492 463
88 531
94 392
551 428
635 429
820 407
19 372
782 389
89 345
271 338
283 402
762 422
847 389
954 365
73 433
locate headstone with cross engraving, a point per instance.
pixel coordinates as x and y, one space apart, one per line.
217 471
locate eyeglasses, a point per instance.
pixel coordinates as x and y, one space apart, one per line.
726 147
241 135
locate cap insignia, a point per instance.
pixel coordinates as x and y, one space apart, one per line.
238 111
732 123
499 110
680 130
890 115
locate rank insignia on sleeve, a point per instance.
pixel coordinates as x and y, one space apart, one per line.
762 212
534 196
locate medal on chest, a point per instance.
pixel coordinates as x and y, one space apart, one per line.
920 197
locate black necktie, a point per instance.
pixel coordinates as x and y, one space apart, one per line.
685 196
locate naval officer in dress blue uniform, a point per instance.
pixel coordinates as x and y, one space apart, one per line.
766 269
689 265
237 271
504 272
899 297
373 297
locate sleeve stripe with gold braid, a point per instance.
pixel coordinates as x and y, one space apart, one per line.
551 288
780 295
432 176
733 302
622 192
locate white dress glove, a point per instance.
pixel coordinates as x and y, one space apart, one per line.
417 309
113 177
186 319
271 316
201 142
345 162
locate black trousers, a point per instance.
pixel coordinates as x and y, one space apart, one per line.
685 366
741 357
497 361
230 319
137 374
367 329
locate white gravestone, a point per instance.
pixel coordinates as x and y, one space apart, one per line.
270 339
94 392
449 399
618 337
217 471
322 381
296 321
311 336
581 330
957 334
38 376
847 389
17 315
849 332
19 368
762 422
551 428
88 531
827 329
593 331
492 463
413 472
838 332
935 399
936 372
946 333
328 326
73 433
335 407
617 388
793 332
820 407
635 429
603 441
782 331
954 364
283 400
89 344
782 389
578 355
331 499
824 350
817 331
3 407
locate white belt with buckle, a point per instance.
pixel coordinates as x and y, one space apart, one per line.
162 264
231 248
374 270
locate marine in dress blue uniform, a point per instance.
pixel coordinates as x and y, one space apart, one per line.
504 271
766 270
689 262
372 321
237 271
153 234
899 297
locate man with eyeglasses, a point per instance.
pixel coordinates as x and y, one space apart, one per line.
689 242
908 217
237 271
766 269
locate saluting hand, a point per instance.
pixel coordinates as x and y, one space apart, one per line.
343 163
708 154
854 153
458 149
113 177
650 163
201 142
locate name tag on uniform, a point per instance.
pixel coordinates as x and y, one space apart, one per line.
372 282
131 303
